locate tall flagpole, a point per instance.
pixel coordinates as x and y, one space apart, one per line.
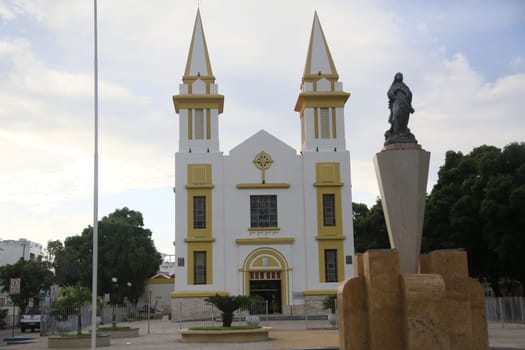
95 195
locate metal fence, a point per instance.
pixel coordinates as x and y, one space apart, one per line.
184 314
65 320
201 314
204 315
505 310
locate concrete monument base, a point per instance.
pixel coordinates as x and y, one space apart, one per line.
439 308
402 172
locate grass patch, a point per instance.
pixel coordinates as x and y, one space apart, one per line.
116 328
83 335
220 328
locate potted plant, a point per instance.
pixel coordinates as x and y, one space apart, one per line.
330 303
228 305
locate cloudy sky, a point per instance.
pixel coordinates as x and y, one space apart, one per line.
463 60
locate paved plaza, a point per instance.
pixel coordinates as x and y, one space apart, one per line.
284 335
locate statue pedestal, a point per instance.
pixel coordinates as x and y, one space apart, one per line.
383 309
402 173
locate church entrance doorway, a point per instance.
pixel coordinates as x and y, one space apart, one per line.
265 273
267 284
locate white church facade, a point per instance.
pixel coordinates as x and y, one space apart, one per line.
264 219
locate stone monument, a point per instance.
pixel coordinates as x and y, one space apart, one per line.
399 300
402 173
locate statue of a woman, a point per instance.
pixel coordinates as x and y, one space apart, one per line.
400 105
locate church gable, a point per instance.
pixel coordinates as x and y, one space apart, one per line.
263 139
262 158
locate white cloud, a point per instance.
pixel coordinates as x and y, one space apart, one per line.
257 54
456 109
6 13
48 134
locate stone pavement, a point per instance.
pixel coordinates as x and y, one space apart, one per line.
284 335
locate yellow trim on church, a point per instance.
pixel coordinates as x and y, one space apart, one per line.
321 99
338 246
203 101
315 292
249 186
160 281
208 124
334 123
265 241
199 183
328 181
330 238
263 229
252 263
198 294
207 230
316 122
200 247
199 239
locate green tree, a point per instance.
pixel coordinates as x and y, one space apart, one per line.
53 247
34 275
126 251
3 316
478 204
228 305
74 297
369 227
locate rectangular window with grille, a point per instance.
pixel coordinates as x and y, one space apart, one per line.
328 209
199 267
263 211
324 122
199 212
199 124
330 265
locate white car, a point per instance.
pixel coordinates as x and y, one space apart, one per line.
31 320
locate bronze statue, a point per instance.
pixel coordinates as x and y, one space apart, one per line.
400 105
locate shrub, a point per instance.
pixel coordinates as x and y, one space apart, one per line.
228 305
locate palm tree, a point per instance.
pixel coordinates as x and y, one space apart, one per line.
330 302
228 305
74 296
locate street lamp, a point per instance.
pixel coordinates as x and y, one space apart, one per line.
129 292
114 280
129 301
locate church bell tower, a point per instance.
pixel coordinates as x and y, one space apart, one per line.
322 99
198 102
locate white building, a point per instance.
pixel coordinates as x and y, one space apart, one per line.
11 251
167 267
264 219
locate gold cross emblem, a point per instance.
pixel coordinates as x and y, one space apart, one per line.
263 161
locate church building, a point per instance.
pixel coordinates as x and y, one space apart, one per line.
264 219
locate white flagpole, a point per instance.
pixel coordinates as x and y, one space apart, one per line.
95 195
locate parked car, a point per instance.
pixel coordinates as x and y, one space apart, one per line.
31 320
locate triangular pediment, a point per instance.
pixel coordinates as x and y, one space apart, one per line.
263 140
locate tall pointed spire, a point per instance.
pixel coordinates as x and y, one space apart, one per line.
318 60
322 99
198 102
198 63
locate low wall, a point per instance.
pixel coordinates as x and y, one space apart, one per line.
224 336
72 342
